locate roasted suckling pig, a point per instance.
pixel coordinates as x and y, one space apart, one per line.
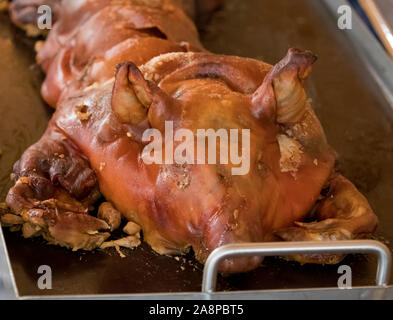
117 68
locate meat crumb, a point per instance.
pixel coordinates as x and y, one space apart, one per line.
121 254
110 215
291 154
38 45
131 228
30 230
185 180
82 113
24 180
9 219
126 242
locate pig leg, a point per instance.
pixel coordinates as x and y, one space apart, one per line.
343 214
54 187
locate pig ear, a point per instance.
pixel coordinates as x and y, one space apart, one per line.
135 100
282 93
132 95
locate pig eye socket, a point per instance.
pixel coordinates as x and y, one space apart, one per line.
207 76
153 32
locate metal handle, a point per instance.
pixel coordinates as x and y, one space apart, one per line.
379 23
7 281
293 248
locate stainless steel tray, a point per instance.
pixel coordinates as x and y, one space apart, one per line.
352 91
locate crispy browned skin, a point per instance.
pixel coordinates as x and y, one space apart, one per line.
93 36
94 140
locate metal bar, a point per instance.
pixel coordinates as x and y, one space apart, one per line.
379 23
8 288
358 293
294 248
